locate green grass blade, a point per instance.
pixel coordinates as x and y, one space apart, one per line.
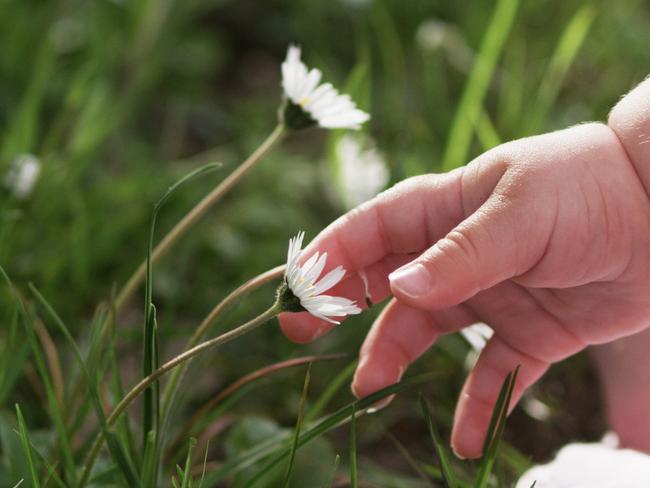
76 417
333 387
187 472
205 463
496 413
22 134
148 413
149 464
151 395
118 454
486 132
337 461
122 426
495 430
447 472
51 470
410 460
340 417
53 404
296 435
12 357
353 449
24 437
471 104
565 54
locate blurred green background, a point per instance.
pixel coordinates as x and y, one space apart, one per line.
118 99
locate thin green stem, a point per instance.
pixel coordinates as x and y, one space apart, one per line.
165 368
197 212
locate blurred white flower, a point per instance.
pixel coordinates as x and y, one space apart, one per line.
434 34
301 292
477 335
536 408
23 175
431 34
309 103
362 172
591 465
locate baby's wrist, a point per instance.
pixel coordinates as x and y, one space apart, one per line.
630 120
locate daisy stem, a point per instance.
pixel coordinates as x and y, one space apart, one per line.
177 375
197 212
165 368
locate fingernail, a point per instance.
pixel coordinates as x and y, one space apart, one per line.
413 280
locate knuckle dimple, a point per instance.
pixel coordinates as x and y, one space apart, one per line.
461 246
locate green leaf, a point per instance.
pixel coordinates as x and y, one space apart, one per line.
333 387
486 132
187 472
118 454
337 461
151 410
24 437
495 429
13 355
296 435
149 470
447 472
51 470
565 54
353 449
205 463
53 404
279 448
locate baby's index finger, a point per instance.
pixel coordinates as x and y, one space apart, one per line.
405 219
377 238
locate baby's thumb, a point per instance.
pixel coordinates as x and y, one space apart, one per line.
485 249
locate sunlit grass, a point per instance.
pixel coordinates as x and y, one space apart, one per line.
118 100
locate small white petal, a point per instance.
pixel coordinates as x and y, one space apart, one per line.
295 245
302 280
314 272
329 280
306 267
308 86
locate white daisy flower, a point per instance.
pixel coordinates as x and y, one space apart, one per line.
23 175
477 336
301 292
309 103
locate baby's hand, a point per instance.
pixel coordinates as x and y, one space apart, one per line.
546 239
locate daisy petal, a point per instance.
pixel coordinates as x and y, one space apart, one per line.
303 283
